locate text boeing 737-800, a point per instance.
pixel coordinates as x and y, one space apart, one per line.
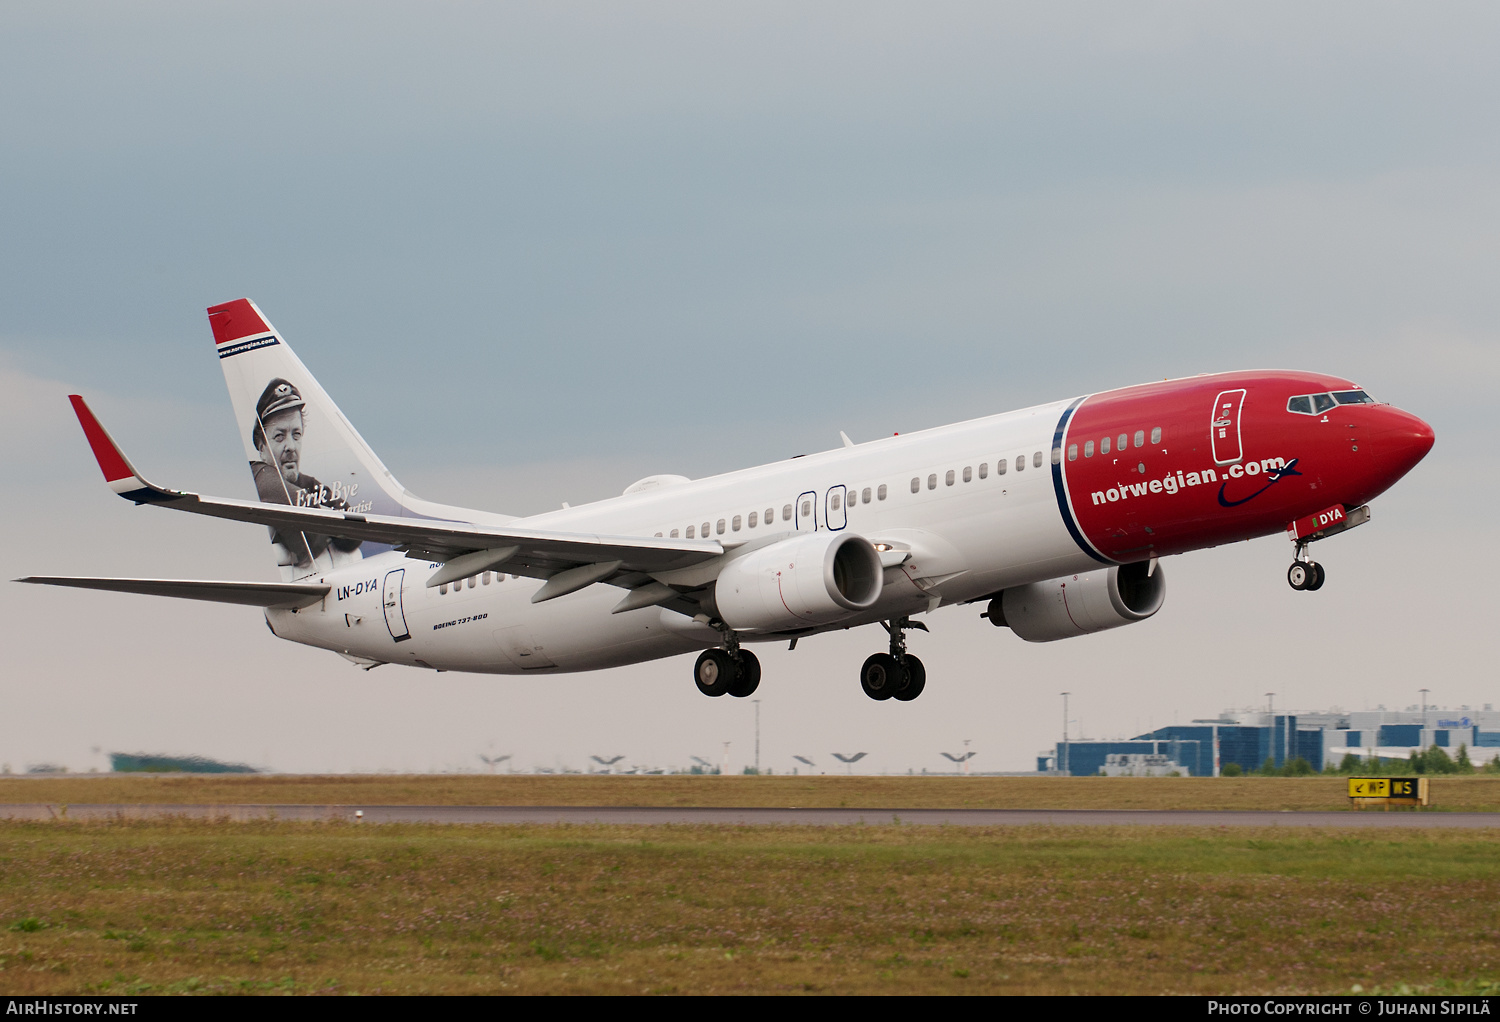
1054 516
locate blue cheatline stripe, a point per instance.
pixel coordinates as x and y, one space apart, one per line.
1057 485
239 347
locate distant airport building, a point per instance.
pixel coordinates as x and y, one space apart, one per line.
1249 738
143 763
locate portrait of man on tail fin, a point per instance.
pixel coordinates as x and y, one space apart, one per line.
277 432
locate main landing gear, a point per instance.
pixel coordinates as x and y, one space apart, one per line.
897 674
1305 575
732 671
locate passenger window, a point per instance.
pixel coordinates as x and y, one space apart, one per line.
473 581
1036 459
753 516
948 479
984 470
692 531
807 509
734 524
864 495
719 530
880 493
786 512
674 534
1301 405
1072 452
1020 462
487 574
443 589
1122 442
916 484
770 515
968 473
1001 466
1140 438
932 481
1104 446
658 535
1156 436
1321 403
1088 449
834 501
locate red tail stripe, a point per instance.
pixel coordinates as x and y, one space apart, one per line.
111 461
234 320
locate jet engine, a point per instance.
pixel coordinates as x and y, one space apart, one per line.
800 582
1061 608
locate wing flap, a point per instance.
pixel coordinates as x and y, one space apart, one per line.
246 594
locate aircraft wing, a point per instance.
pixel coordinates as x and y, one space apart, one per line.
247 594
466 547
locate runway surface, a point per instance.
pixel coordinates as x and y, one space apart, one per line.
752 816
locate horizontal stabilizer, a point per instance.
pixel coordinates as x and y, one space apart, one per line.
538 553
248 594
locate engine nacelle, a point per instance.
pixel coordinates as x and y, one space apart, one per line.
800 582
1061 608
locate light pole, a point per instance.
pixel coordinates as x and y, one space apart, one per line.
757 735
1424 692
849 760
493 761
962 761
725 770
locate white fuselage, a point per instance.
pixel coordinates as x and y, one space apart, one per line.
970 531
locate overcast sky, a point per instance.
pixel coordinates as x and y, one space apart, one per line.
536 251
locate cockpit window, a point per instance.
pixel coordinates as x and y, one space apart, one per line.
1317 404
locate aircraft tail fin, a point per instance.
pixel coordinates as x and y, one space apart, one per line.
301 448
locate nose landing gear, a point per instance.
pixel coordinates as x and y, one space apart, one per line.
895 675
1305 576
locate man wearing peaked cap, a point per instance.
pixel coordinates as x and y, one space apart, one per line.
279 479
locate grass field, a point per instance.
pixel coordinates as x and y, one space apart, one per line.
191 906
1471 793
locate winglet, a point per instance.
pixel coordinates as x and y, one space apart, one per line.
118 472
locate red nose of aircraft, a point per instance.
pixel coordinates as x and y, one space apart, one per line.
1398 442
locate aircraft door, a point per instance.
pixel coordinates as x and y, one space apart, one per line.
390 598
807 512
1225 427
834 516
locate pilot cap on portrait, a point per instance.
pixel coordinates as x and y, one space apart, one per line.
279 396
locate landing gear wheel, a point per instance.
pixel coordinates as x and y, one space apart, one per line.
749 676
1301 575
1319 575
881 676
715 672
916 680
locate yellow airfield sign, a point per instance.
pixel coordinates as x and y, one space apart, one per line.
1390 790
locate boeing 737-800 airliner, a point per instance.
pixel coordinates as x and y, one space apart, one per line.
1053 516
